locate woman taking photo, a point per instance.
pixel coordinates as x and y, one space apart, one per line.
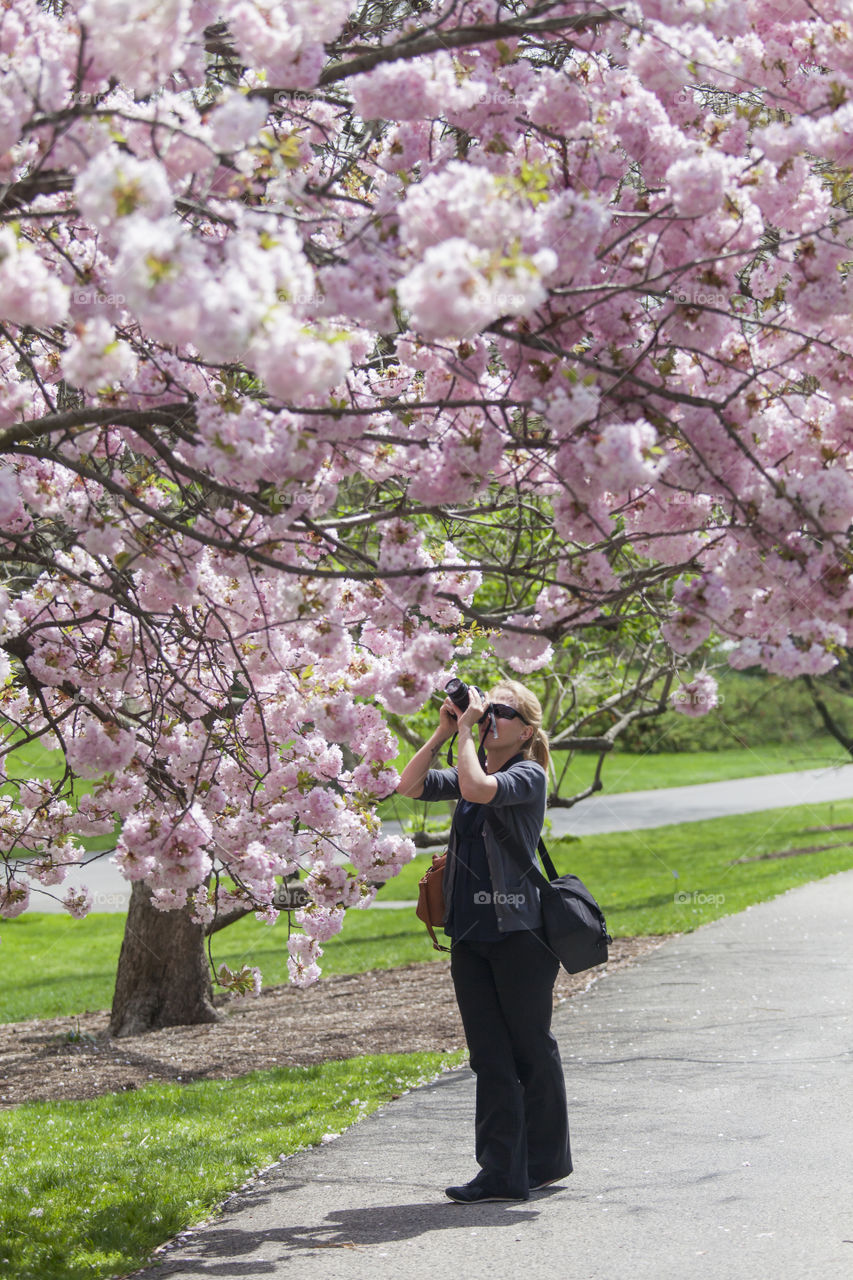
503 972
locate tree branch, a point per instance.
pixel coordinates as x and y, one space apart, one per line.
167 415
830 723
461 38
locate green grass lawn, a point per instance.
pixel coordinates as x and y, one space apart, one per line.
64 967
88 1189
624 772
33 760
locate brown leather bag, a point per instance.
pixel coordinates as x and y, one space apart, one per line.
430 906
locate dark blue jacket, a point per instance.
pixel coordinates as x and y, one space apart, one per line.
511 831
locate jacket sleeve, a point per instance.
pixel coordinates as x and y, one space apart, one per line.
441 784
523 783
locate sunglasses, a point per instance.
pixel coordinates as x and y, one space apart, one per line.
503 712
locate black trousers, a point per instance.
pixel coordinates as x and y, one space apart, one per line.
504 991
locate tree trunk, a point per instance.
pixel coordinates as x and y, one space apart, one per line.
163 977
829 722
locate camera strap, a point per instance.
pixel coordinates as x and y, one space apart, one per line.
481 754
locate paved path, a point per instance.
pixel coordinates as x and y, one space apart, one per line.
712 1126
633 810
630 811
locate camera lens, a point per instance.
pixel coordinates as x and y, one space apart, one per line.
457 692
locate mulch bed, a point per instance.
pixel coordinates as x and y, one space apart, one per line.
403 1010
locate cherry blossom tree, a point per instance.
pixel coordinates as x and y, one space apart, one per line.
315 320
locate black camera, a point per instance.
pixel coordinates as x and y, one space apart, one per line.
457 692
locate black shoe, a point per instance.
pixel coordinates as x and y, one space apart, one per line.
549 1182
475 1193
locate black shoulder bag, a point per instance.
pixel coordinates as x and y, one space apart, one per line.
574 924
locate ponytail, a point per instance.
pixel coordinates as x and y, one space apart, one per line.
538 748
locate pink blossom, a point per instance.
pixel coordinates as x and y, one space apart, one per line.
558 102
168 898
52 865
203 909
429 652
686 631
14 898
117 49
100 748
696 697
30 293
169 852
405 691
267 915
791 658
115 186
375 781
320 923
746 654
320 809
328 884
697 183
336 717
255 867
133 865
295 361
284 36
379 747
10 500
402 547
829 496
388 856
78 902
235 120
328 761
413 89
573 225
526 650
700 603
627 455
302 960
570 406
458 288
96 358
460 204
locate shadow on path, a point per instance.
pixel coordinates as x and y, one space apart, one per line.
225 1251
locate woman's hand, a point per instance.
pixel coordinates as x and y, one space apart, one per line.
474 711
447 721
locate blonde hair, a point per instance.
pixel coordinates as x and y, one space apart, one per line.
536 747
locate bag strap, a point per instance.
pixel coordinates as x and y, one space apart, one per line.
580 888
435 941
527 867
550 869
